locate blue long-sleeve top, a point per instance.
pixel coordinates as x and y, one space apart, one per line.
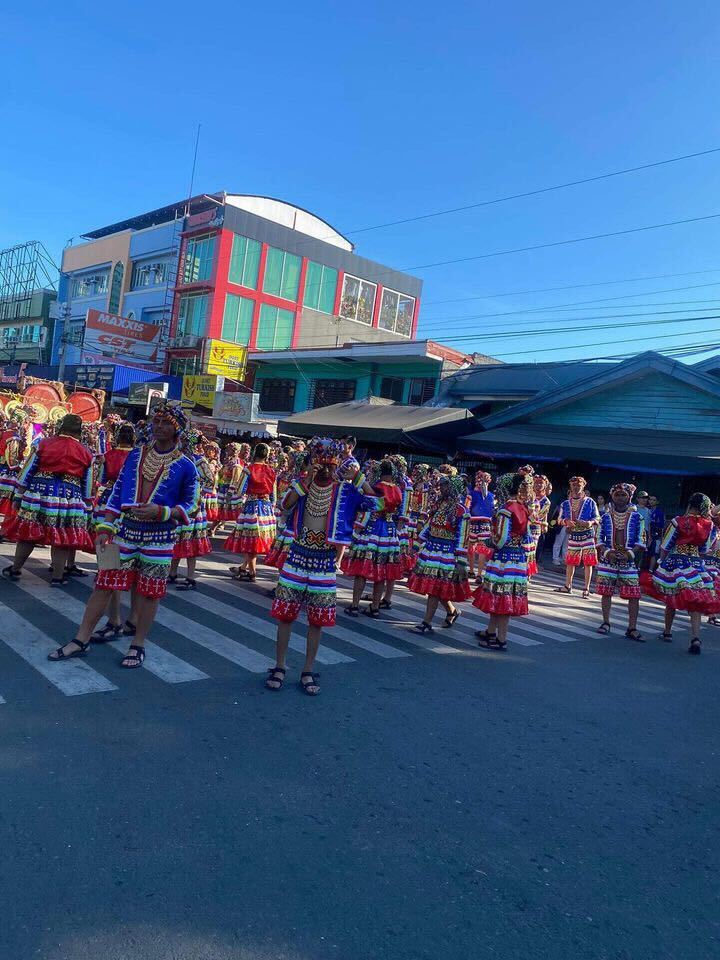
178 486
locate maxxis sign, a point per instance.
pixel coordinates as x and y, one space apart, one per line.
122 339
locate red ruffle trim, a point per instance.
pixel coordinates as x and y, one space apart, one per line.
225 515
7 507
693 601
434 587
624 592
588 559
276 558
212 514
30 531
374 572
254 545
192 548
479 550
532 568
501 604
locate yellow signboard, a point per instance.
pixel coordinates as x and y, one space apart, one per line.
199 389
226 359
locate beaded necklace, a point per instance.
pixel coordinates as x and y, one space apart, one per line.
620 520
317 502
153 463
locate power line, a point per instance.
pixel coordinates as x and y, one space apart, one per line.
534 193
563 243
520 353
571 286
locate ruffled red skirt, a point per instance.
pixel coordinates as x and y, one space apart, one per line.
438 587
372 571
30 531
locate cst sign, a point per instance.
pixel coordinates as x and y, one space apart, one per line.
121 338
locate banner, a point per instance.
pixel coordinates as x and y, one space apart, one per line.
98 376
122 339
236 406
226 359
200 389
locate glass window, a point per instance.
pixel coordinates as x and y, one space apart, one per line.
237 318
148 275
358 299
320 287
182 366
90 285
282 274
244 262
275 328
116 287
325 392
192 315
396 312
277 395
422 389
391 388
198 262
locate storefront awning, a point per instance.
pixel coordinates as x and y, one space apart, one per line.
235 428
648 451
381 422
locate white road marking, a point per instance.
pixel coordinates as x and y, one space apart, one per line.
164 665
73 678
264 628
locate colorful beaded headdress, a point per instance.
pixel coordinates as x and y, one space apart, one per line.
166 410
325 450
629 489
580 480
482 476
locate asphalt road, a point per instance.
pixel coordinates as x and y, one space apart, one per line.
558 800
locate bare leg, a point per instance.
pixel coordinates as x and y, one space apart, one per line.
377 592
22 551
313 642
633 612
95 608
191 565
174 566
502 630
146 610
492 627
669 619
588 578
695 625
606 604
59 558
114 615
252 564
569 574
282 640
358 587
430 608
389 589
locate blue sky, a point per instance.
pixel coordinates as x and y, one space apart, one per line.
375 112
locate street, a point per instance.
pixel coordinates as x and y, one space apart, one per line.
436 800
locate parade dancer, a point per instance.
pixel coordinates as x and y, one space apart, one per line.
542 488
191 539
158 487
228 481
441 572
680 579
308 576
348 467
209 481
655 530
13 441
621 536
53 501
503 591
255 528
374 554
580 517
482 508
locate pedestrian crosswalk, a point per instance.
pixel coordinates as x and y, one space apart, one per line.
225 626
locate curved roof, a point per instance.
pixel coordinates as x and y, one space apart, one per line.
287 214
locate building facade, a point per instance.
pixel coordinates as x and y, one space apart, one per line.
407 373
229 268
271 276
26 327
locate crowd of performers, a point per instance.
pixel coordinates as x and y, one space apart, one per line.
147 503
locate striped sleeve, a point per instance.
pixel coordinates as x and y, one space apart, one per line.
670 536
504 522
29 468
461 534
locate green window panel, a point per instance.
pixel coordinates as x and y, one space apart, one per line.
244 262
320 287
237 319
198 262
282 274
192 315
275 328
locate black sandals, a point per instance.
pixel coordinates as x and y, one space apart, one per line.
695 645
276 675
424 627
309 686
10 573
188 585
451 618
59 654
134 658
111 631
634 635
604 628
352 611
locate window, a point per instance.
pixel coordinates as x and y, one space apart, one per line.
277 395
184 366
89 285
422 389
192 315
237 319
396 312
358 299
320 287
244 262
30 334
325 392
198 262
148 275
282 274
116 287
275 328
391 388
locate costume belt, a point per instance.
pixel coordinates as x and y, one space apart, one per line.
687 550
65 477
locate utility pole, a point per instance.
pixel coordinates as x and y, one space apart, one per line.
64 340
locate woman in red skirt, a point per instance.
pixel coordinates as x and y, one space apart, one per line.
255 528
503 591
441 572
53 501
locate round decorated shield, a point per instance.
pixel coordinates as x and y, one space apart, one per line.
85 405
